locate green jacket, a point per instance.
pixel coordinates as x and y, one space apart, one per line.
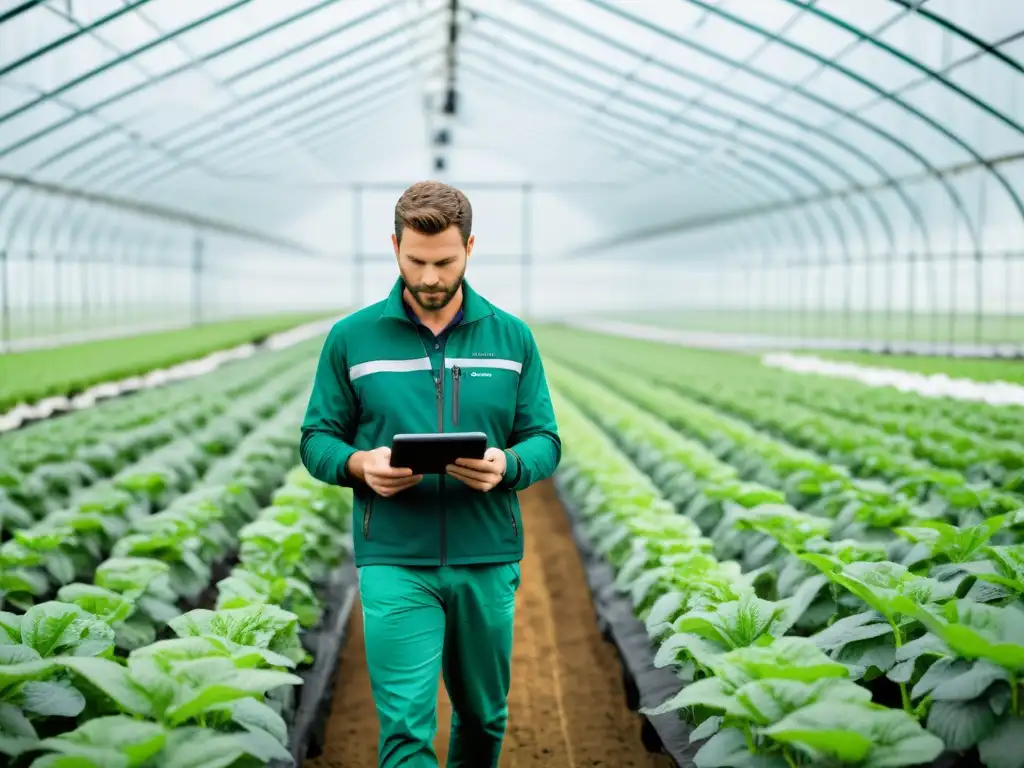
376 378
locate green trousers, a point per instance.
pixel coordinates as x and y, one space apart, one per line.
420 623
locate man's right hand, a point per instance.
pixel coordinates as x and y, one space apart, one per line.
374 468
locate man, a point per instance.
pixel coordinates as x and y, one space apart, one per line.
438 555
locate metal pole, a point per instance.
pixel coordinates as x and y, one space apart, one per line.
5 301
358 258
197 276
526 242
978 297
911 294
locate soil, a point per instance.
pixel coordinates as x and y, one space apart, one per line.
567 703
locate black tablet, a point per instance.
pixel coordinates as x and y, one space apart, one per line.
429 453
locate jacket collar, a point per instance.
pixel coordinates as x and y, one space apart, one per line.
474 306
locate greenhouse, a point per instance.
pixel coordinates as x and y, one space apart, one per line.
721 460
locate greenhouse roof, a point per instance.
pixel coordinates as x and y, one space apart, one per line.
853 121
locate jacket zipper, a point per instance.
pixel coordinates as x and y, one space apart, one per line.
440 428
366 518
456 380
512 514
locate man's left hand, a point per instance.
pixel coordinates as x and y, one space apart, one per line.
480 474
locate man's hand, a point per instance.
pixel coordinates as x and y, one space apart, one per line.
374 468
480 474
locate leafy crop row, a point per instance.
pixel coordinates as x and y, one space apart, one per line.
156 616
926 615
759 696
44 464
27 377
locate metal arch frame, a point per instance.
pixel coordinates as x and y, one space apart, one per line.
792 165
88 75
871 85
929 73
229 141
248 98
663 92
159 212
599 133
77 146
811 129
924 162
840 170
546 86
984 47
53 45
317 130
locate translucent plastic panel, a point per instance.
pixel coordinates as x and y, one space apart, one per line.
784 65
348 23
989 22
840 89
866 15
586 27
772 17
818 36
726 37
13 93
978 128
995 82
927 42
879 66
927 138
332 50
29 31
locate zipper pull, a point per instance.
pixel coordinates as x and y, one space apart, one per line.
456 376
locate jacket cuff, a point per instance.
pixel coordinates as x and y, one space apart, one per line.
342 457
513 469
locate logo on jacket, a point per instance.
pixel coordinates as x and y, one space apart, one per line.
474 374
482 354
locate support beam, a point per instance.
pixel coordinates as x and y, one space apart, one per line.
158 212
198 258
526 269
5 301
358 257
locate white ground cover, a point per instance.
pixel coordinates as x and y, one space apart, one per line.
18 415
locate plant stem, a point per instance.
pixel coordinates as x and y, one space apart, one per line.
789 758
898 642
1014 694
906 698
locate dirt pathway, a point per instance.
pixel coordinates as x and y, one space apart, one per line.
566 707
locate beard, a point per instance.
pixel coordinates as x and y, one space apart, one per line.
421 293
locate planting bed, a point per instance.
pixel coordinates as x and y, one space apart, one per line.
174 585
832 573
567 702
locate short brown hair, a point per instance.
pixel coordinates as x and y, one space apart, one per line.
430 207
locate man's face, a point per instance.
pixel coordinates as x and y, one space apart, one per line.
432 266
